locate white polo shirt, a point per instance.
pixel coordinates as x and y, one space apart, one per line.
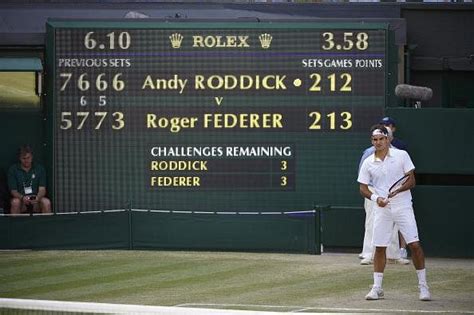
383 174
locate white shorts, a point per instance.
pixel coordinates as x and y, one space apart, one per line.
384 219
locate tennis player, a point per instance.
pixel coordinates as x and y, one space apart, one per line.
382 169
392 252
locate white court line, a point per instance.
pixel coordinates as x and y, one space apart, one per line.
298 309
86 307
187 309
379 310
239 305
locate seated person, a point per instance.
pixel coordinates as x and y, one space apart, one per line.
27 184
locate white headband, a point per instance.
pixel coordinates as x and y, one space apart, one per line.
379 132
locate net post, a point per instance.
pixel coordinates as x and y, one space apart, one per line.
319 217
317 225
130 229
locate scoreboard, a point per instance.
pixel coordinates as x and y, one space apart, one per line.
213 116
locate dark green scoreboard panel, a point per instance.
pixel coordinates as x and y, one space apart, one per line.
211 116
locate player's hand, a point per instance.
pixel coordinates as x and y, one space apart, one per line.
382 202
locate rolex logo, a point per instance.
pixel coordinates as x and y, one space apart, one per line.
265 40
176 40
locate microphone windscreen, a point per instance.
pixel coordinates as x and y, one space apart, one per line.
412 92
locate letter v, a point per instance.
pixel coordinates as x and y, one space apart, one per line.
218 100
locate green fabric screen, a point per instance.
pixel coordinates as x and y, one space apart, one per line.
283 233
150 230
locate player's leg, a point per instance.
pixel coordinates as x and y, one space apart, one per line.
417 254
383 225
380 259
405 219
393 250
368 248
418 258
403 246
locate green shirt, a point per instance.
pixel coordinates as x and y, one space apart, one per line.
18 179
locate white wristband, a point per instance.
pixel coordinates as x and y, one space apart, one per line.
374 197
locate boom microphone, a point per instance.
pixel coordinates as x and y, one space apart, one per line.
412 92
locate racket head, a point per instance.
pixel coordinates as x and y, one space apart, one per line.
399 183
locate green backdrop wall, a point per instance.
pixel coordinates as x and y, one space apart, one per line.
441 145
298 233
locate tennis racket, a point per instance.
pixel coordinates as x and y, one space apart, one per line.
399 183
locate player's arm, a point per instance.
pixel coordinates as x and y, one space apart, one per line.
364 179
407 185
365 192
409 169
410 183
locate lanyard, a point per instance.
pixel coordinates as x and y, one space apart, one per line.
31 180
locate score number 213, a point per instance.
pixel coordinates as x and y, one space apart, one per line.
333 117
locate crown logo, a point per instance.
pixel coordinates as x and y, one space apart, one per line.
265 40
176 40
